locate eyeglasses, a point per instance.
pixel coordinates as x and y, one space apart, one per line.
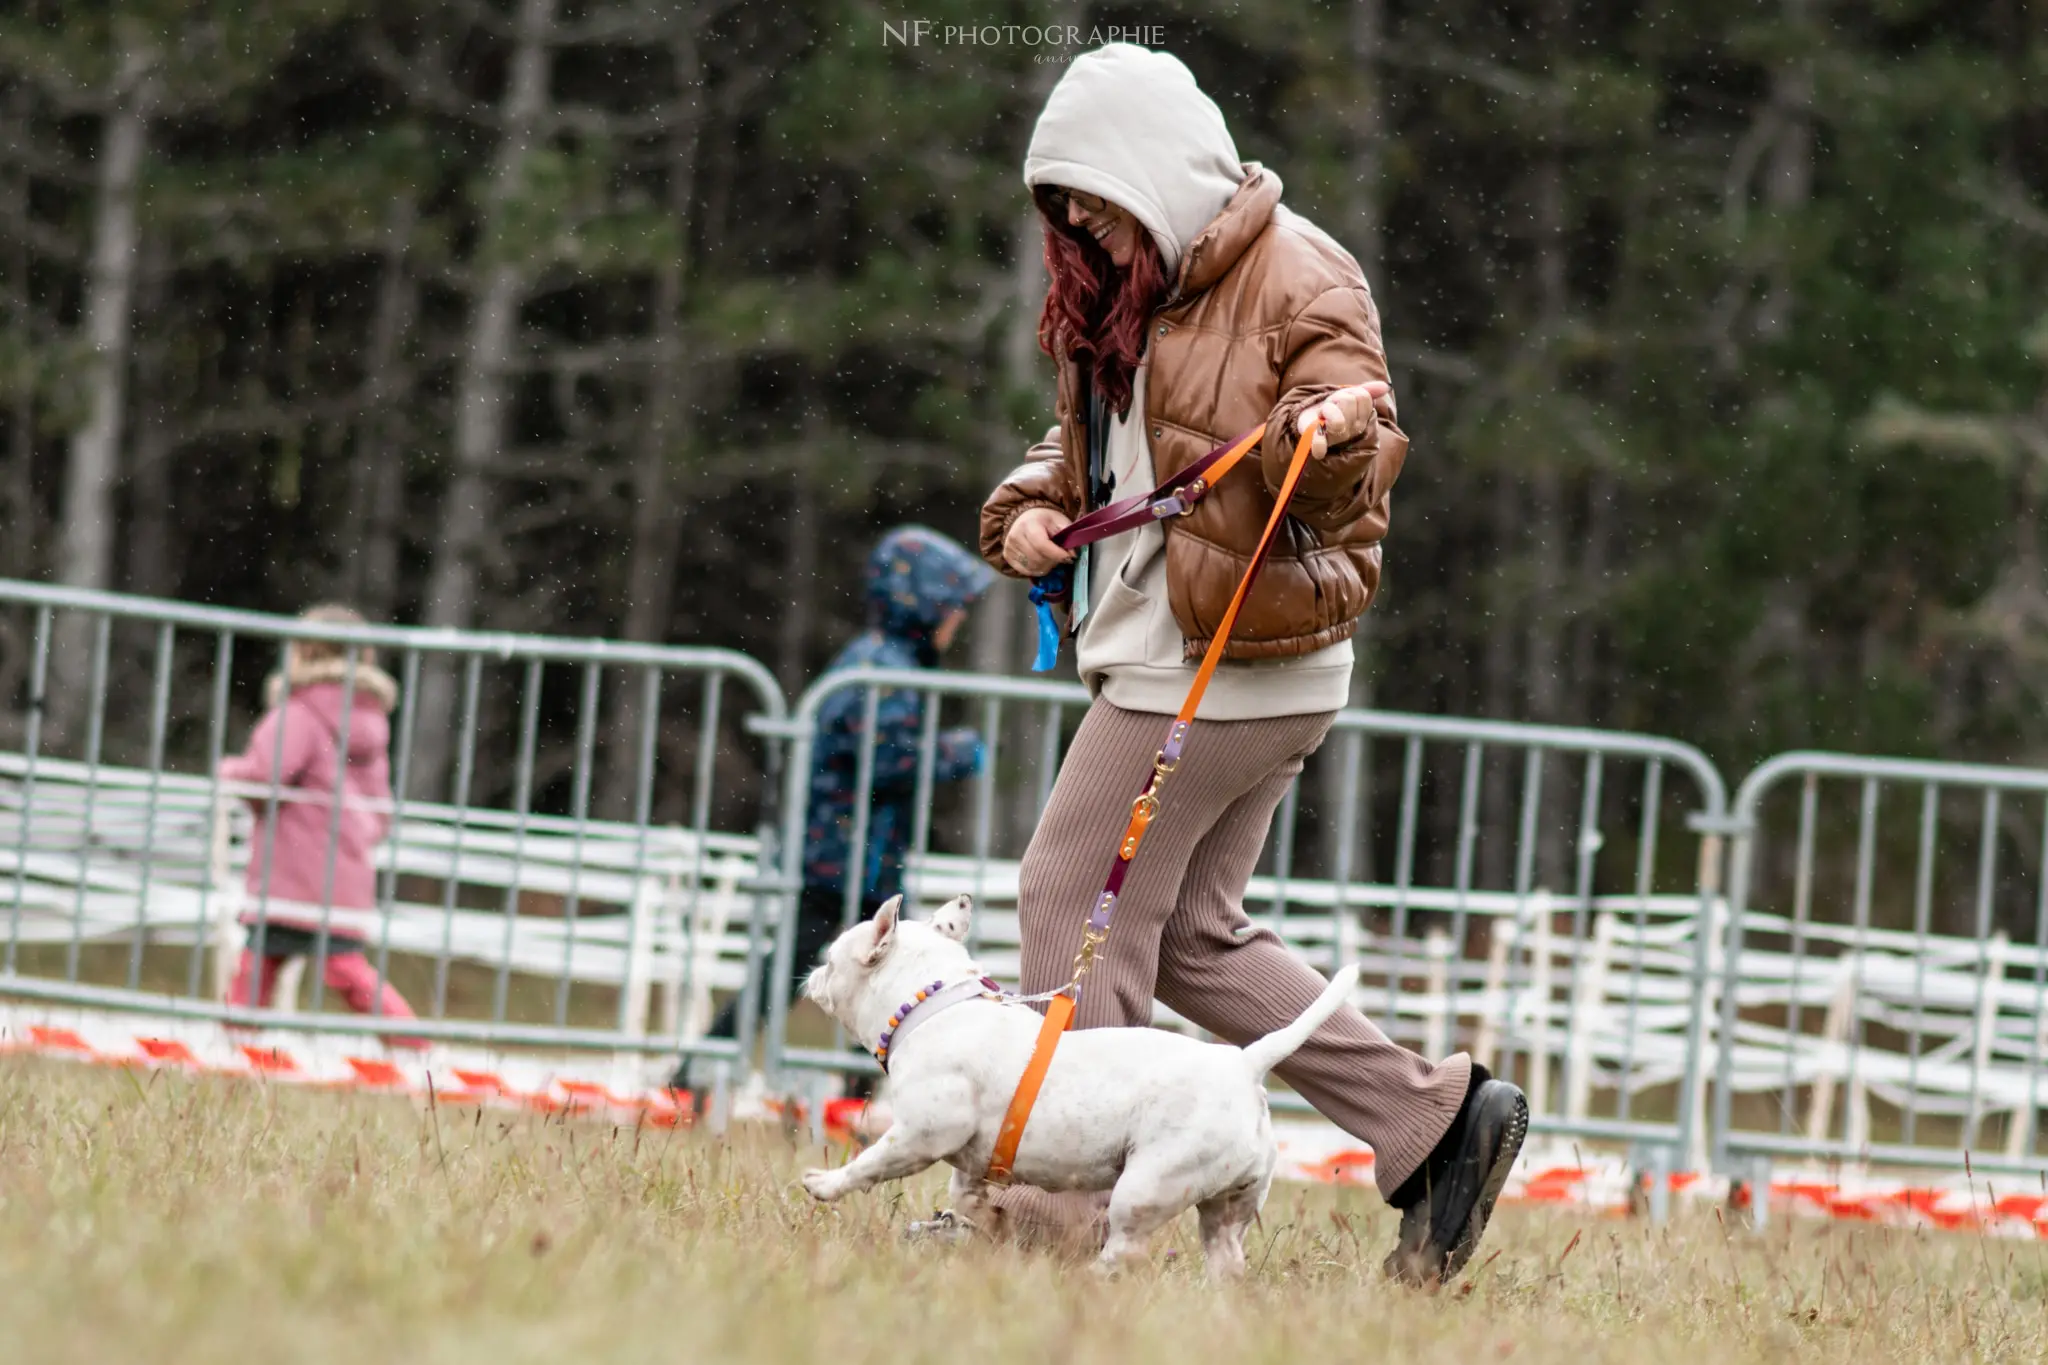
1060 197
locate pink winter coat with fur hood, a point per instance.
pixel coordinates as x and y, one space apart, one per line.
310 717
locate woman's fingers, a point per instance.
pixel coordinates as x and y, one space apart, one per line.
1049 552
1352 411
1346 413
1030 547
1326 418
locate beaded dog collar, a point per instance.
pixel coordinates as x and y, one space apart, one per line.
938 995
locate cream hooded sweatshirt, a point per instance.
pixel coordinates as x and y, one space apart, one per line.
1130 124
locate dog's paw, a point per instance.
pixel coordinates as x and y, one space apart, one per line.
945 1227
825 1185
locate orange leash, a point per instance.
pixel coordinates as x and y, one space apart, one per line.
1059 1015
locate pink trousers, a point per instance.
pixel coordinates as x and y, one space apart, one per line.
348 975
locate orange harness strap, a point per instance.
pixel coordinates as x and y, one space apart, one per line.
1059 1017
1059 1014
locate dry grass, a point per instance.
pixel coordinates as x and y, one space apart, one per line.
155 1218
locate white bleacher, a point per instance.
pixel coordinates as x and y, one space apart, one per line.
1619 1009
74 867
1615 1011
1977 1006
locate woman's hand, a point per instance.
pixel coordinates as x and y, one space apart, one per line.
1347 414
1030 547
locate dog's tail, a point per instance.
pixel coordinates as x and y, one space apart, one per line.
1275 1048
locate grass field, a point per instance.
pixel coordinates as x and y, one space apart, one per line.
161 1219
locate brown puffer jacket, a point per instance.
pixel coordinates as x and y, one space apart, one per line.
1268 317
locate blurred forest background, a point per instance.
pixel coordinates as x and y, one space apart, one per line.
1721 329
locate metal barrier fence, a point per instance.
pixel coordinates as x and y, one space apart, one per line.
1561 940
617 836
1868 1015
604 835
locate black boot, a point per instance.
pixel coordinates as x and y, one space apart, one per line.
1446 1203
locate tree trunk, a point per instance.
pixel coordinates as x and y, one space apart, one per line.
1364 236
1499 666
18 511
657 505
85 551
18 499
1549 528
1005 613
1545 579
1589 690
18 555
800 557
1593 691
377 495
1788 176
1367 122
650 570
152 493
1547 512
480 391
1005 608
1546 660
1005 624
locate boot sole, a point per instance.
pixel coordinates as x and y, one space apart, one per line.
1513 1135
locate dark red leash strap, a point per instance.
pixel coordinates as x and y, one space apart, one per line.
1174 498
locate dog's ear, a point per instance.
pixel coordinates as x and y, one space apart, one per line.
885 931
952 918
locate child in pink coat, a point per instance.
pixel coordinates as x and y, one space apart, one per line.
306 703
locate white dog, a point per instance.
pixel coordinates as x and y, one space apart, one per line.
1160 1120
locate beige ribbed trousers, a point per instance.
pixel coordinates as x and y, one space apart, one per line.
1180 933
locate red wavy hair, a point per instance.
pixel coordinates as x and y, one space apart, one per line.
1096 314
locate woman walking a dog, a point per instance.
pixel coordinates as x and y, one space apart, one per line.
1185 306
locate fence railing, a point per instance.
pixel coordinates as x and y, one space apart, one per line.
604 841
1872 1016
1560 940
580 866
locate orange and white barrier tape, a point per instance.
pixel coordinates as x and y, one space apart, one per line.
1318 1152
1956 1204
596 1086
588 1085
449 1074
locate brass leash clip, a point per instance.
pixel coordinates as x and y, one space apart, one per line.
1091 940
1142 812
1146 808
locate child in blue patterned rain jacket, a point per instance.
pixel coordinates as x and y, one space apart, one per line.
920 585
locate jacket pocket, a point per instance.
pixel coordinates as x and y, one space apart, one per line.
1139 620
